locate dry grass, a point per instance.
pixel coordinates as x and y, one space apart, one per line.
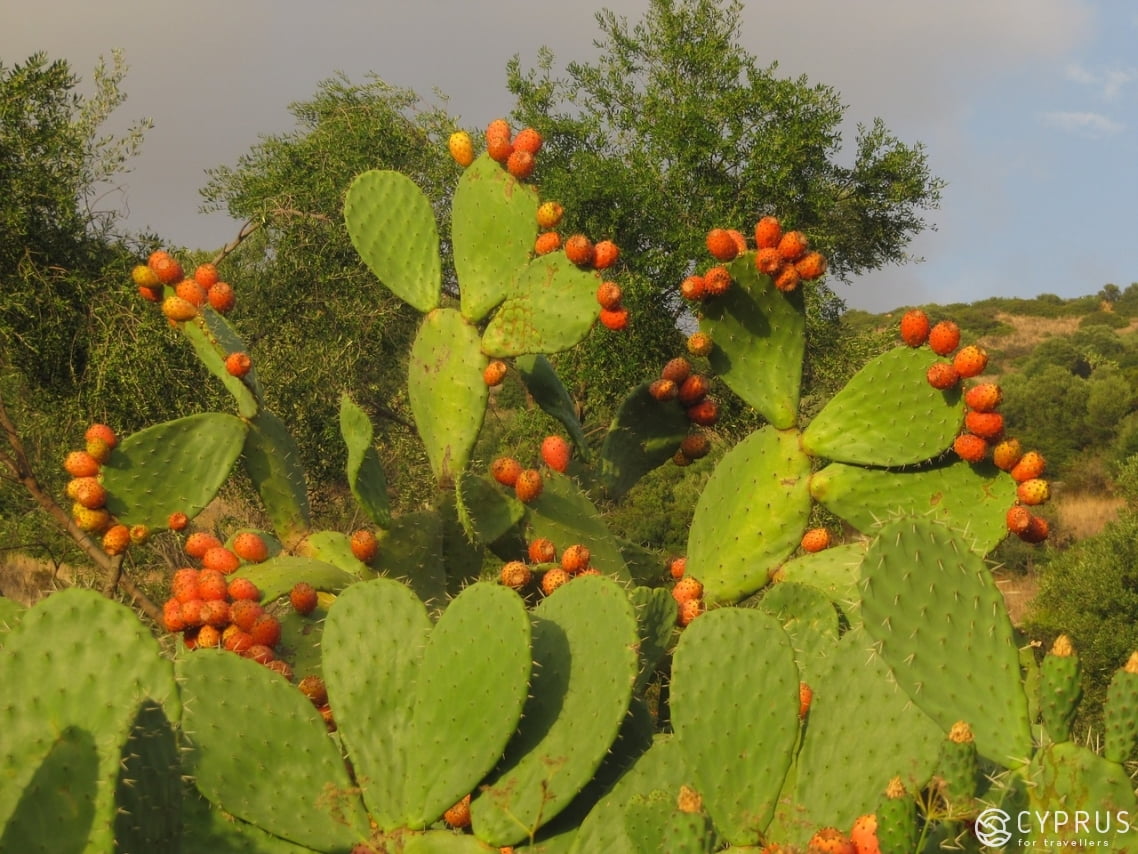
1018 589
1027 332
1082 514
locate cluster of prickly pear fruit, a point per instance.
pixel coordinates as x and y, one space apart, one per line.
601 709
982 438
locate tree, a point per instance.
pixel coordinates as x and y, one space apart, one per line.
318 321
676 129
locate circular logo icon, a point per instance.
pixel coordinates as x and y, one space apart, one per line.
992 827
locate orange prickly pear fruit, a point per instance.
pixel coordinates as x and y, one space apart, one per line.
914 327
461 148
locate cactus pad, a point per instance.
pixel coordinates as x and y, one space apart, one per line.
887 415
493 226
750 515
392 226
760 340
448 396
564 514
644 434
177 466
272 461
550 307
277 575
485 511
932 605
548 392
365 474
213 339
735 712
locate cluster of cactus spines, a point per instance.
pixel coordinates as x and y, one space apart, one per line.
759 492
734 703
930 603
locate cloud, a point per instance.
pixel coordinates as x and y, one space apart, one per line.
1093 125
1109 82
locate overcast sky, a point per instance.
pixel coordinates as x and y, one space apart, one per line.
1028 108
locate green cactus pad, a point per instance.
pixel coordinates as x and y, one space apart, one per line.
1120 714
931 604
444 842
585 663
493 227
77 659
392 226
1065 780
734 707
173 467
485 511
1060 690
208 828
365 474
644 434
564 514
897 822
10 613
277 575
835 571
272 461
862 722
148 793
468 698
656 617
975 498
334 548
887 415
411 550
213 339
447 393
260 750
378 628
551 307
548 392
659 771
760 340
958 771
808 617
56 807
750 515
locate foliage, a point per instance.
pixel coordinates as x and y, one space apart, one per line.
676 129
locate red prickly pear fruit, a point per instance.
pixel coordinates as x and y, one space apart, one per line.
520 164
615 319
546 242
238 364
830 840
314 689
984 397
528 140
811 266
303 598
200 542
693 389
815 540
1031 465
805 698
986 425
689 610
768 261
970 447
116 540
172 616
166 267
863 834
579 250
80 464
914 327
250 547
494 373
1018 519
575 559
704 413
458 816
364 545
768 233
244 613
184 585
215 613
552 579
944 337
677 370
103 433
206 275
717 281
793 246
178 309
1033 491
236 639
686 589
1006 454
721 244
87 492
693 288
695 446
786 278
556 452
222 298
677 566
92 521
700 344
663 390
941 375
191 292
243 588
609 295
221 559
528 486
499 148
970 361
1037 530
212 585
261 653
266 630
605 254
177 521
208 637
505 470
542 550
515 574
